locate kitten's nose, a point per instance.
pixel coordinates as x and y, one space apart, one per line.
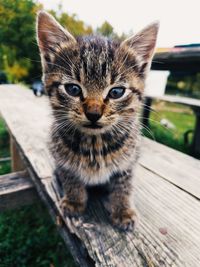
93 116
93 110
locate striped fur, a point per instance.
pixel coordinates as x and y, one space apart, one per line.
106 154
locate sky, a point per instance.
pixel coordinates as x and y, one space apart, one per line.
179 19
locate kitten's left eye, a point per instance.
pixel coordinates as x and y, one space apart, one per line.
116 92
73 89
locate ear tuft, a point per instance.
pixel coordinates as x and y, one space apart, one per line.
143 43
50 32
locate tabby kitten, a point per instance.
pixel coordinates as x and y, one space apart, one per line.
95 86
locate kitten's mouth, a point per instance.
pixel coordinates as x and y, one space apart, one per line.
93 126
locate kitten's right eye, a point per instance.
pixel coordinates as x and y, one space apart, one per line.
73 89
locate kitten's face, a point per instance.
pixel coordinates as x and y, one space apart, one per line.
94 84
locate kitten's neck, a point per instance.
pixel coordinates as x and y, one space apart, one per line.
97 144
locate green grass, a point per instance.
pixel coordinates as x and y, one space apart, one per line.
183 119
28 237
4 148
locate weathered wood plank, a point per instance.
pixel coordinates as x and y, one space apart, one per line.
171 215
176 167
167 234
156 247
29 124
94 242
16 190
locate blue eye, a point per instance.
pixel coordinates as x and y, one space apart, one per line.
73 89
116 92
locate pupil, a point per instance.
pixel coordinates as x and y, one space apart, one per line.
72 89
116 92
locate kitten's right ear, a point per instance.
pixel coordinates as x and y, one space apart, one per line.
50 33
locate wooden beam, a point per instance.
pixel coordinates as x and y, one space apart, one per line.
5 159
16 162
16 190
175 167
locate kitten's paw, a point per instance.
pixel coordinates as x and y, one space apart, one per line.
72 208
124 219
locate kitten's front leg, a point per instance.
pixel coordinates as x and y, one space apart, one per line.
122 214
75 194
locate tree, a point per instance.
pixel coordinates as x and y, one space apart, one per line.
74 25
106 29
19 54
18 47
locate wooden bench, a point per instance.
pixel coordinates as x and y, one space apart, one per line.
167 194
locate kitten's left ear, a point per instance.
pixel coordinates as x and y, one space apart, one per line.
143 43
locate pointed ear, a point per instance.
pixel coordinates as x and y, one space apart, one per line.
50 33
143 43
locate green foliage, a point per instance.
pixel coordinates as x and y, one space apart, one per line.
5 167
4 138
180 116
74 25
17 39
185 85
106 29
28 238
4 148
19 55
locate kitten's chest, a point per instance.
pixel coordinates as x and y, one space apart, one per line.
94 159
97 168
98 158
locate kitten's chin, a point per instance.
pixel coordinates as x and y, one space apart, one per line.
92 129
93 126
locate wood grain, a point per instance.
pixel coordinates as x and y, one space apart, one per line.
168 232
16 162
16 190
174 166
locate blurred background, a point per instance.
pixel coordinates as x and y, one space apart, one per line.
27 238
